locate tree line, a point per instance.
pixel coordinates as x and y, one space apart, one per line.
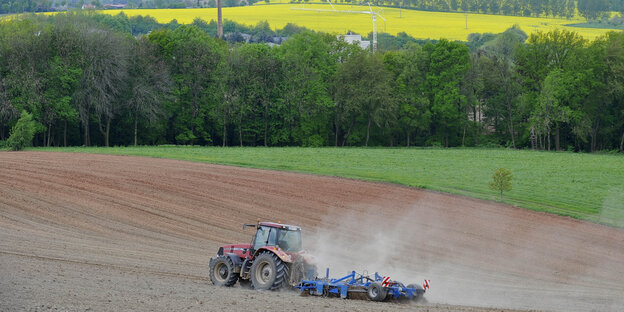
86 84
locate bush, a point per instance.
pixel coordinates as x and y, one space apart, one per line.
22 133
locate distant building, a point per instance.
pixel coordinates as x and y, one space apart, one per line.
114 6
88 6
351 39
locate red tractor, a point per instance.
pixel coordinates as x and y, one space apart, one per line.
273 260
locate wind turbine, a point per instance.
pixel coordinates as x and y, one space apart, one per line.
219 20
370 11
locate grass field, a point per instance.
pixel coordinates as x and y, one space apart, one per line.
585 186
419 24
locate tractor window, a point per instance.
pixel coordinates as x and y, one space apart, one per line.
289 240
266 236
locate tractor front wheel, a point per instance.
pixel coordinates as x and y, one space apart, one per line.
268 272
222 271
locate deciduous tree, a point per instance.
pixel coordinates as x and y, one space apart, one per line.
22 133
501 181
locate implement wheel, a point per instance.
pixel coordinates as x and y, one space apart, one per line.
376 292
420 291
268 272
222 271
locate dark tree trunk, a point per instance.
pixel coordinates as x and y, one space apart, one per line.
368 130
336 127
477 122
594 137
622 143
240 129
136 122
266 124
224 131
86 132
107 135
557 144
65 134
346 137
477 131
511 127
291 139
548 138
464 136
533 138
103 131
49 132
408 138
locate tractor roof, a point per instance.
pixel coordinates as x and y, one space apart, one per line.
281 226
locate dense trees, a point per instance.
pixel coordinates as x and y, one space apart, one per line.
85 80
449 62
193 58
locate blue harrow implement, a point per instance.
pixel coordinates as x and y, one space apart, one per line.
359 286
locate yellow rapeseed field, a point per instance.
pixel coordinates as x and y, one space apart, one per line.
419 24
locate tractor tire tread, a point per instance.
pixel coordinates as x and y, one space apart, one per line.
281 271
231 278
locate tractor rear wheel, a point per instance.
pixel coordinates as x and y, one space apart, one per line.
376 292
420 291
222 271
268 272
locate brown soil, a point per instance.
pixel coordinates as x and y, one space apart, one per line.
99 232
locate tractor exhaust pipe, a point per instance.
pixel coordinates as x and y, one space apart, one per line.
245 225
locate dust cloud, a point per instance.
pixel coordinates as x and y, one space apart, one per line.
511 264
612 210
402 245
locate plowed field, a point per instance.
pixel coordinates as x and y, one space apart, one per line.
98 232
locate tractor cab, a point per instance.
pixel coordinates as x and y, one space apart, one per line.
286 237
